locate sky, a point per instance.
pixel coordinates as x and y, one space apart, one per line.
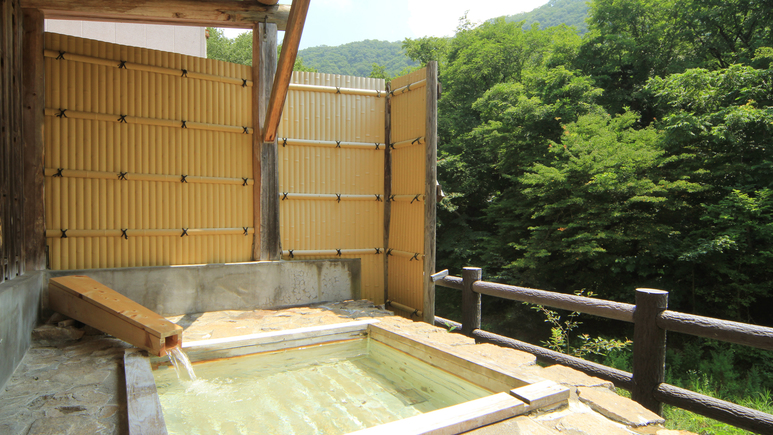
336 22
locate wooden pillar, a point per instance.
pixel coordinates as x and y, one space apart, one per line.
33 82
430 197
387 184
470 300
649 348
265 155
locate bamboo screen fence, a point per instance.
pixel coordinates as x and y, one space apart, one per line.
331 173
406 223
148 162
147 157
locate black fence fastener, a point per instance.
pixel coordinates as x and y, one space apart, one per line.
123 233
122 64
244 83
246 131
284 142
338 144
338 90
185 232
415 257
415 198
122 175
377 146
291 253
59 172
392 145
338 197
184 179
122 119
391 198
61 113
284 195
184 126
378 250
64 233
245 181
389 251
408 88
185 72
415 312
378 197
415 141
245 231
338 252
61 56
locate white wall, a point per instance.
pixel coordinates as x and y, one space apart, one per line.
175 39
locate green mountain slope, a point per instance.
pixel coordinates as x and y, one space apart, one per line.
556 12
356 58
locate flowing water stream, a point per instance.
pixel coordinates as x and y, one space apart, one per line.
182 365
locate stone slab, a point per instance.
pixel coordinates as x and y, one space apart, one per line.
589 424
573 378
19 309
618 408
514 426
542 394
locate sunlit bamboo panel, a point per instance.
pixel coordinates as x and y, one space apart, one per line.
314 223
406 225
156 151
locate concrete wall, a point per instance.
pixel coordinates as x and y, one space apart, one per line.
174 39
19 307
175 290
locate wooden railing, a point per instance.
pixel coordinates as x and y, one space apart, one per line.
651 320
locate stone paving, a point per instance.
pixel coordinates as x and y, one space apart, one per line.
71 381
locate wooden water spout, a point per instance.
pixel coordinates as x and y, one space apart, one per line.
101 307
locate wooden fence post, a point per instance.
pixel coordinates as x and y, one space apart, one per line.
649 348
470 300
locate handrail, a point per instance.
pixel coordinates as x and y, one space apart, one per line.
650 325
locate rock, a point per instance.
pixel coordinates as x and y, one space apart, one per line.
573 378
52 333
505 356
618 408
514 426
65 425
589 423
673 432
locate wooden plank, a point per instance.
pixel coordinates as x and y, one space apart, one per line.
96 305
430 189
732 332
16 171
33 81
292 39
144 409
270 248
596 307
454 419
450 282
649 348
258 107
736 415
215 13
542 394
473 368
5 107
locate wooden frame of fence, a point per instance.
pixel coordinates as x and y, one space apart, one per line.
651 320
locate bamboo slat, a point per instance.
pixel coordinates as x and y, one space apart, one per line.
142 233
284 141
103 175
126 119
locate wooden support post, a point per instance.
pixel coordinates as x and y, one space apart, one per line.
470 300
265 154
387 184
284 70
33 82
649 348
430 195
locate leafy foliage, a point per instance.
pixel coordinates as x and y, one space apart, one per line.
554 13
357 58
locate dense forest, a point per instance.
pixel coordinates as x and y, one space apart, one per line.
554 13
636 154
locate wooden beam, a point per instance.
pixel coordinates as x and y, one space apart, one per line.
258 109
267 210
387 186
430 195
284 70
144 413
215 13
33 83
